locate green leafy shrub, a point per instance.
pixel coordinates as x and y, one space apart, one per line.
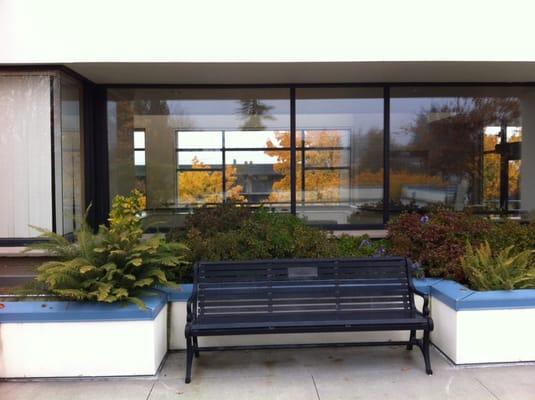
437 241
116 264
259 235
508 269
511 233
228 232
359 246
210 220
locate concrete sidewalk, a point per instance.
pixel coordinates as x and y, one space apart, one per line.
311 374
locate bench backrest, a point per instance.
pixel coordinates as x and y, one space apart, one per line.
311 285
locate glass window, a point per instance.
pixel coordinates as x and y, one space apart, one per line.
340 155
199 140
202 146
459 147
456 147
72 207
41 154
25 154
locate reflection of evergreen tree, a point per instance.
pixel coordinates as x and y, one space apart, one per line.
151 107
253 111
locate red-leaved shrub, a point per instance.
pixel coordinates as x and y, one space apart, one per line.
437 240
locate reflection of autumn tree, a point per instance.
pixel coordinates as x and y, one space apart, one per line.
201 186
370 154
320 185
448 139
491 171
450 135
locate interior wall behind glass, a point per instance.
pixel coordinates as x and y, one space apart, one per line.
460 148
25 154
200 146
340 155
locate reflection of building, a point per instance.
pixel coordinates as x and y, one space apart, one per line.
256 180
424 195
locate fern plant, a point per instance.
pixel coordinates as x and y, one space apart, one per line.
506 270
115 264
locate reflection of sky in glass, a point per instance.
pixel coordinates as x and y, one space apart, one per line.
223 107
199 139
248 139
405 111
139 158
208 158
511 131
256 157
139 139
233 139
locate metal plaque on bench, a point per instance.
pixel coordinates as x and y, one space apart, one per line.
302 272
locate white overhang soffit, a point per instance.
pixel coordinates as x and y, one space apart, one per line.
304 72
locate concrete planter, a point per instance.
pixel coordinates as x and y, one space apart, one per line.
66 339
483 327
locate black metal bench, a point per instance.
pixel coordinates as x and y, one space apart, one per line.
298 296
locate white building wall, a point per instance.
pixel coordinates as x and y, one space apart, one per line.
239 30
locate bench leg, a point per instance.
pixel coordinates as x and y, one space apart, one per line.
189 357
196 346
412 338
425 351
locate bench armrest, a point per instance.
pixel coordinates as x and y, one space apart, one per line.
425 296
190 305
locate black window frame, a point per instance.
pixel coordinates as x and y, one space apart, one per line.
96 168
54 73
223 150
294 147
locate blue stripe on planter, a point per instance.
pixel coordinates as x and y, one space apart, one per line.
450 293
70 311
424 285
498 299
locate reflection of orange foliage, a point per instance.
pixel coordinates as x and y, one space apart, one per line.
206 186
491 170
143 201
320 185
397 180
